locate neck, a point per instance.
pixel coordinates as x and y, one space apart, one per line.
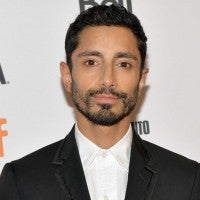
103 136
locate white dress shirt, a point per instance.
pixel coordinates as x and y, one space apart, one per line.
106 170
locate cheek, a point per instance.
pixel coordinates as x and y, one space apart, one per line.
81 84
128 84
84 82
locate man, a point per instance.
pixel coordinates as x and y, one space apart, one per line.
102 157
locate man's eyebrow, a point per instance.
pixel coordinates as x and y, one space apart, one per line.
90 53
126 55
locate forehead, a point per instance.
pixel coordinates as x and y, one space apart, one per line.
103 30
107 38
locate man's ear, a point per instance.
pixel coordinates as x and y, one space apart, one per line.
143 79
66 76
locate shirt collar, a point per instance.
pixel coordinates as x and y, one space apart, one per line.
88 150
122 149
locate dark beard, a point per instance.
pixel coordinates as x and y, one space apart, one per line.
105 116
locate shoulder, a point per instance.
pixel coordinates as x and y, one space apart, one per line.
170 162
180 174
159 152
38 159
28 171
42 159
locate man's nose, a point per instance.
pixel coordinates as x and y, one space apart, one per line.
108 77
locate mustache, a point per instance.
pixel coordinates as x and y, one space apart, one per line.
104 90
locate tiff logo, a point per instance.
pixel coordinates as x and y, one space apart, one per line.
2 77
2 133
84 4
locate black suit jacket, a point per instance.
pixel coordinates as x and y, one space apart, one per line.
55 173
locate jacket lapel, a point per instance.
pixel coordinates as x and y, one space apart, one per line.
70 175
142 174
69 171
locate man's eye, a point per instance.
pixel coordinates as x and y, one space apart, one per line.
90 62
124 64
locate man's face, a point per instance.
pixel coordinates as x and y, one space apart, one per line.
105 78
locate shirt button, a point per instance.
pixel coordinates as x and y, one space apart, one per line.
106 197
104 155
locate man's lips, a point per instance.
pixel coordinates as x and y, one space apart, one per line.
106 98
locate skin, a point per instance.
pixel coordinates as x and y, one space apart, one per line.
106 57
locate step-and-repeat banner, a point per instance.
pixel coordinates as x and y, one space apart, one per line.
33 108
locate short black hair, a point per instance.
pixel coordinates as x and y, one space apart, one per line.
103 15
